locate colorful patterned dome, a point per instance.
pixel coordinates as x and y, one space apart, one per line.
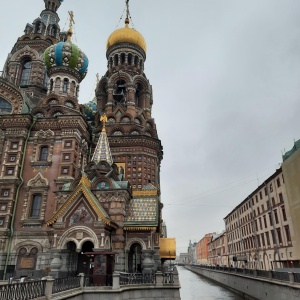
90 109
66 54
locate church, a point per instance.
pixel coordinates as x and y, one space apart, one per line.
79 183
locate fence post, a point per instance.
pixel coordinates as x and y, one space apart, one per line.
116 281
291 277
159 278
255 272
176 277
48 287
81 276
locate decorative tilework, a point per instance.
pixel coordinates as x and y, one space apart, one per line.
142 210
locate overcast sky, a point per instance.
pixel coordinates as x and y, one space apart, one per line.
226 84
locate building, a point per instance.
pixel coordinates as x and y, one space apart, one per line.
262 230
218 250
202 249
192 258
79 184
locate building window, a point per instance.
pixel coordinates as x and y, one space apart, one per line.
9 170
2 221
273 237
67 156
43 153
68 144
270 218
268 238
278 182
5 107
279 235
260 224
5 192
260 195
14 145
65 86
65 170
265 221
280 198
3 207
283 213
287 233
26 70
276 216
36 206
271 187
12 158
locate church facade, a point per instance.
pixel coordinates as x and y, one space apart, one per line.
79 184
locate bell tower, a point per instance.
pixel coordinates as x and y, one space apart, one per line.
25 66
125 95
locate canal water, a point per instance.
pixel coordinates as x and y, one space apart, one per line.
196 287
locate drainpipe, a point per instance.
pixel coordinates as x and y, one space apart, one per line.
16 199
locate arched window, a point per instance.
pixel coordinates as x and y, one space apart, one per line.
65 87
116 58
5 107
44 153
26 70
129 59
136 61
36 206
122 59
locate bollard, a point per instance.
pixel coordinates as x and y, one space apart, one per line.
81 275
291 277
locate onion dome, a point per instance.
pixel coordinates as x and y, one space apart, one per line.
126 35
66 54
90 109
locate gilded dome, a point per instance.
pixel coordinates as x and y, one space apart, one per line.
126 35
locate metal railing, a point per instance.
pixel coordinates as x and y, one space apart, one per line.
284 276
168 277
137 278
98 280
23 291
262 273
64 284
297 277
277 275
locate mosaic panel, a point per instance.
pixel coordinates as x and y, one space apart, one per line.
142 209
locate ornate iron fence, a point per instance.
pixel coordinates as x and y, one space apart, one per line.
137 278
64 284
297 277
23 291
262 273
284 276
98 280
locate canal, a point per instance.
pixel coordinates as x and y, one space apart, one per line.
195 287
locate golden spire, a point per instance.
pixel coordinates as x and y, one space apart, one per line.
70 31
103 119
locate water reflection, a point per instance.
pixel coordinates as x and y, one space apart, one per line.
196 287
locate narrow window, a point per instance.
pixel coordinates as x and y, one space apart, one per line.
44 153
36 206
26 70
65 86
287 233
